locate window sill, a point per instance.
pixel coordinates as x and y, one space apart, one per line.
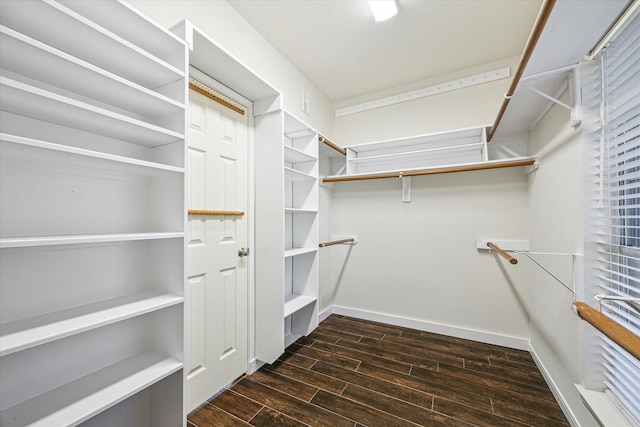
603 408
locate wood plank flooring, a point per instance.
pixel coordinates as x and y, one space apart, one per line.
355 373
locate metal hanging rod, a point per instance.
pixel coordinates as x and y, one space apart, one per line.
350 241
613 330
505 255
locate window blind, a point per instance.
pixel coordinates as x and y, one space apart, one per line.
618 241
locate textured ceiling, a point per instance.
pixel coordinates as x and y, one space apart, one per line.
338 46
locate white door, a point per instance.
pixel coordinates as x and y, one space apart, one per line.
217 292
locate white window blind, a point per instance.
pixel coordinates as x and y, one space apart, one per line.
618 241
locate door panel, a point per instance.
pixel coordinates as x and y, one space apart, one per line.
218 290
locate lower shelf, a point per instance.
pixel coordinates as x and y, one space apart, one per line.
26 333
73 403
293 303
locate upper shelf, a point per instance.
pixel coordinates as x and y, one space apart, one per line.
573 28
99 45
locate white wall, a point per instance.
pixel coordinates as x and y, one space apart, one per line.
556 225
474 106
418 261
231 31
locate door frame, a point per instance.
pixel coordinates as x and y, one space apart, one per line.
230 93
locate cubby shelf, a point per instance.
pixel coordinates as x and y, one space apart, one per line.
292 155
22 334
293 303
288 253
79 400
293 175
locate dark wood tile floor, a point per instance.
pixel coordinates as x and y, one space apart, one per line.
355 373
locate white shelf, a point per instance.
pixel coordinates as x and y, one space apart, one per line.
99 46
30 332
298 251
21 242
292 155
120 18
292 175
52 152
75 402
26 100
293 303
296 210
60 69
473 147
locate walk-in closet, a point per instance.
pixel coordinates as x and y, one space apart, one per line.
319 213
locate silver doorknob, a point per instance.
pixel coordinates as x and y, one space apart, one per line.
243 252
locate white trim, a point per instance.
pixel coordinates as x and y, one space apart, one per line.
489 76
602 408
438 328
555 390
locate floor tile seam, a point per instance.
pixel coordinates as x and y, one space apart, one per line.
373 329
280 412
452 349
237 417
227 390
303 382
331 353
288 378
347 332
435 353
377 409
432 394
388 396
301 401
511 380
409 355
371 354
492 412
408 388
484 384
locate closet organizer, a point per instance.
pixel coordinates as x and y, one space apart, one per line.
92 216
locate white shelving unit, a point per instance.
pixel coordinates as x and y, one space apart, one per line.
423 151
301 229
92 219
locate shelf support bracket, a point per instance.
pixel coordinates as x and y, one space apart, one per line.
406 189
573 84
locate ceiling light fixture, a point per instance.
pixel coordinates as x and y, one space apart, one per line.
383 9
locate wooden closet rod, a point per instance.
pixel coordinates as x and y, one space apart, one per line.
616 332
337 242
215 98
214 213
505 255
536 32
476 167
330 144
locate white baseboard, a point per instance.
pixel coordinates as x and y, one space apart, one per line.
437 328
254 365
555 390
